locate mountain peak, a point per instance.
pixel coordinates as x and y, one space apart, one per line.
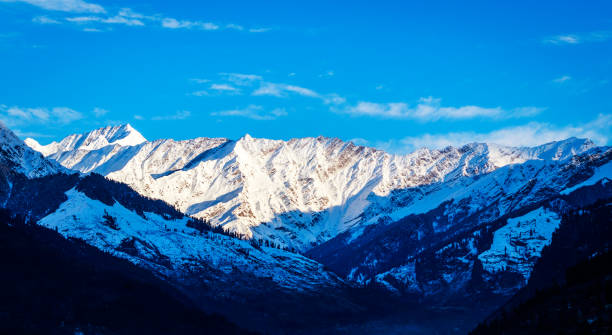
123 135
22 158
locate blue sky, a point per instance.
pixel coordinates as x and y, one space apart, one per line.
397 75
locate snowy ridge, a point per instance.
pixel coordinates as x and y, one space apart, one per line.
298 193
21 158
175 250
123 135
602 173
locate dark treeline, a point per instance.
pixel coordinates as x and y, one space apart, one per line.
581 305
51 285
570 288
203 226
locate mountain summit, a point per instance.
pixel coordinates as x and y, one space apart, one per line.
123 135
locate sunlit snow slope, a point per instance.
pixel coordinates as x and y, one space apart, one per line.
298 193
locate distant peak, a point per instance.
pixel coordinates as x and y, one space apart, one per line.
246 137
123 134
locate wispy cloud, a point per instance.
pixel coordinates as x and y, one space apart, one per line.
124 16
282 90
98 112
65 114
45 20
180 115
173 23
109 20
241 79
562 79
25 134
261 87
254 112
259 30
534 133
430 109
569 39
71 6
223 87
18 116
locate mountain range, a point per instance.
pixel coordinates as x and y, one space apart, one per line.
311 219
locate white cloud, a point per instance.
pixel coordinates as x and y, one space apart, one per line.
17 116
123 20
333 99
138 117
128 12
223 87
531 134
100 111
266 88
234 26
172 23
180 115
72 6
25 134
282 90
125 16
259 30
429 109
254 112
65 114
562 79
564 39
110 20
597 36
241 79
45 20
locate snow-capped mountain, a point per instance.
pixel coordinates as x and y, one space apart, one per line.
447 227
99 138
17 156
116 219
438 240
298 193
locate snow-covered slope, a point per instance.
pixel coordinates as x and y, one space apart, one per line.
481 232
172 248
114 218
519 243
298 193
20 158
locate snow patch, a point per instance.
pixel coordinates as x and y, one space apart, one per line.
517 245
603 172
